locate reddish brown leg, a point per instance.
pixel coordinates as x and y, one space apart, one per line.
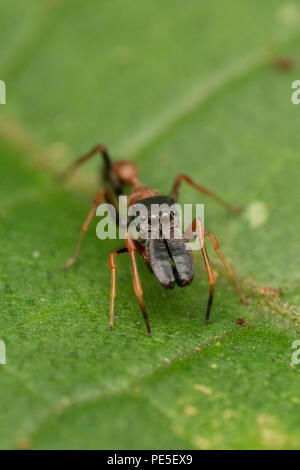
113 268
108 165
84 158
188 180
197 224
136 281
84 228
230 271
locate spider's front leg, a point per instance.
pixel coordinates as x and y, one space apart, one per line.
202 234
113 290
103 193
131 249
136 280
189 235
229 269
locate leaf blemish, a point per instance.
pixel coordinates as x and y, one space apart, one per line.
257 214
203 388
190 410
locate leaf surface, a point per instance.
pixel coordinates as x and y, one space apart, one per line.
179 90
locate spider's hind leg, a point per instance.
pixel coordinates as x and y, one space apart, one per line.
180 178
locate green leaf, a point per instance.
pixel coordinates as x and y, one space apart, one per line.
180 89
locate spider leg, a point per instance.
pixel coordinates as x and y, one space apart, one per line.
84 158
197 223
136 281
110 173
180 178
103 193
230 271
113 268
